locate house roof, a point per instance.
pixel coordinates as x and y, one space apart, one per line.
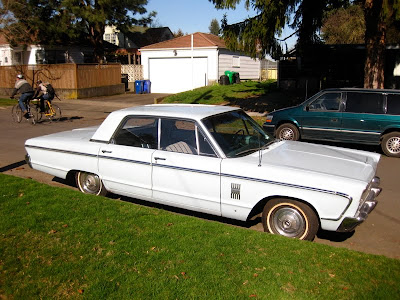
3 39
150 36
200 40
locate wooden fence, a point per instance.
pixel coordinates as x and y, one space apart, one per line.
69 80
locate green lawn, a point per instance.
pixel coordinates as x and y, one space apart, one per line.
8 102
59 243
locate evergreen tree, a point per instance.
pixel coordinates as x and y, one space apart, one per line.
214 27
258 35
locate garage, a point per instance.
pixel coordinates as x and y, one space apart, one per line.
175 75
193 61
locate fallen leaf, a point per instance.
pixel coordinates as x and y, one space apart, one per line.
246 282
27 203
80 291
65 225
52 231
255 275
253 296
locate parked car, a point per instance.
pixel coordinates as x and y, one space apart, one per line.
351 115
217 160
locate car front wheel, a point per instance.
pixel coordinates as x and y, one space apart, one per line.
89 183
391 144
287 131
290 218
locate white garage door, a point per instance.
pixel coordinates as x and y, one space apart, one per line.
174 75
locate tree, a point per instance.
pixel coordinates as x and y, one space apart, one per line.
39 21
214 27
344 26
179 33
257 35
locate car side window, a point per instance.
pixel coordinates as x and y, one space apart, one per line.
369 103
326 102
137 132
183 136
393 104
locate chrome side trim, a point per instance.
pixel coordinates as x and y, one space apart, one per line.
339 130
62 151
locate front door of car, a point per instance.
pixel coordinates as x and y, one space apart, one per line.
321 118
186 170
125 163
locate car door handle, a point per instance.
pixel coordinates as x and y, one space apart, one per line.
334 120
159 158
106 151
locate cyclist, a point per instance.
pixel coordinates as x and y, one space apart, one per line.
22 86
43 93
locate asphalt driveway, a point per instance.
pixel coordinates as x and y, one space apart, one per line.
380 233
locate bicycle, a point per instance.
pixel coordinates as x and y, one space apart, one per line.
51 111
32 111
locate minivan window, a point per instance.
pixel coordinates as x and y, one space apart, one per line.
393 104
328 101
370 103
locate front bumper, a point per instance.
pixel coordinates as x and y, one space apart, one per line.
349 223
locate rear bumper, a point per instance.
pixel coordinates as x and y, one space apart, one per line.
349 223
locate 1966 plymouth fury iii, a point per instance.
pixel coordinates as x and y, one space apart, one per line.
217 160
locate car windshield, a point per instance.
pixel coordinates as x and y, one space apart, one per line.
237 134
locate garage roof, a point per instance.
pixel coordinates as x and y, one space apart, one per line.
200 40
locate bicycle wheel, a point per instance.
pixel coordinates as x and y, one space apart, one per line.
16 113
34 114
54 112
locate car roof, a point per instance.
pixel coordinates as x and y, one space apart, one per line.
181 111
190 111
362 90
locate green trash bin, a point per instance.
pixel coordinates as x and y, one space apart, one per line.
230 76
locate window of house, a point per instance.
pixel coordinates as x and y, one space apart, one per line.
235 61
107 37
369 103
393 104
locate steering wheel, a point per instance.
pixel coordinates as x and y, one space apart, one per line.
236 139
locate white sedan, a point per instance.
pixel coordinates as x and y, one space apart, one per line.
217 160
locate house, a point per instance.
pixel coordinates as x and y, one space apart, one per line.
130 42
43 54
329 66
193 61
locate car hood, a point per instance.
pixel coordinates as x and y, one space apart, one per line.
336 161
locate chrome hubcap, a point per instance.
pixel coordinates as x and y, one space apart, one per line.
289 222
393 145
90 183
286 134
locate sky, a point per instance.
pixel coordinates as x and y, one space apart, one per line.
192 15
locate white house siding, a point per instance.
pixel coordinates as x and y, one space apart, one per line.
247 67
170 70
5 55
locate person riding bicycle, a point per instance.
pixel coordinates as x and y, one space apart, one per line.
43 93
22 86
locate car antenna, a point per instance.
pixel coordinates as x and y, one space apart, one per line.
259 151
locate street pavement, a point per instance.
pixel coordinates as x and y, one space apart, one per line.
377 235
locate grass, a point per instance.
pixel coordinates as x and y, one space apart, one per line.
250 95
59 243
8 102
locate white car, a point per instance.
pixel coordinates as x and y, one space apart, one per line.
217 160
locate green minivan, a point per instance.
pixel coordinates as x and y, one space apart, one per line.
365 116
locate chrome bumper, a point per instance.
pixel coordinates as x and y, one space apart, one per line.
28 160
349 223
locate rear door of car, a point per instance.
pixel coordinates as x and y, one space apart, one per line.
321 118
125 163
364 117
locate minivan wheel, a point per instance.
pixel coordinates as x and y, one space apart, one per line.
391 144
287 131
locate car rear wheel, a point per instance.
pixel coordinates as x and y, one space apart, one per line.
89 183
391 144
287 131
290 218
